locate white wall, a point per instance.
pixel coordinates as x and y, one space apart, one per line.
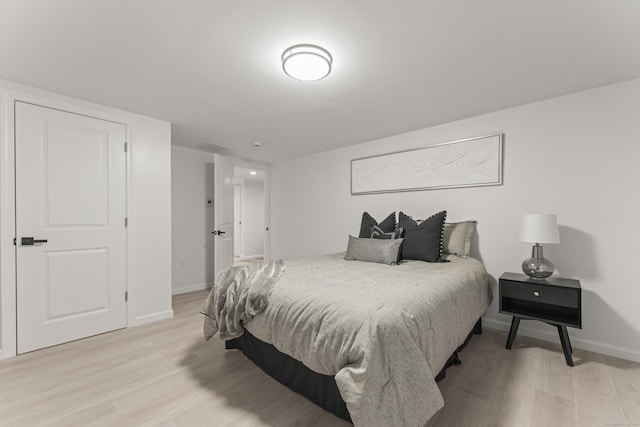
148 206
576 156
192 216
253 218
150 220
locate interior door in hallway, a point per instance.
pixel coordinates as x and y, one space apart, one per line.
223 214
237 220
70 226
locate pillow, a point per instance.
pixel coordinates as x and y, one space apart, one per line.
377 233
387 225
423 241
457 238
384 251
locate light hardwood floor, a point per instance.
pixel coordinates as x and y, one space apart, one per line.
165 374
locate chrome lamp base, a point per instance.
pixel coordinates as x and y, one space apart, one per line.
537 266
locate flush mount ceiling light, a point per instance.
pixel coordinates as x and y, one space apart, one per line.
306 62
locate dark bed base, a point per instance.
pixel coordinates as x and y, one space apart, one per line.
320 389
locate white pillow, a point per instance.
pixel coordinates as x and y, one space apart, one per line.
457 238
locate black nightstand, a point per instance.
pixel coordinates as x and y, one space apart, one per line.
555 301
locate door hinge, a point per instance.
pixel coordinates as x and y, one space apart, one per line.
126 221
125 147
14 241
126 296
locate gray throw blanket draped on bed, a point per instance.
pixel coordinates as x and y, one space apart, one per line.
238 294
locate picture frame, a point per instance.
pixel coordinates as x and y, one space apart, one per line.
470 162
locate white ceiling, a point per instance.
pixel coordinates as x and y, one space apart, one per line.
212 67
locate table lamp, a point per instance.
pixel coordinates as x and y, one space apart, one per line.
538 229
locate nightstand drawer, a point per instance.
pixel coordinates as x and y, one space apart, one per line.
540 293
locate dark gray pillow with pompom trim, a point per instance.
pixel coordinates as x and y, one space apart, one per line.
423 241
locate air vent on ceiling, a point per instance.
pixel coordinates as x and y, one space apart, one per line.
214 148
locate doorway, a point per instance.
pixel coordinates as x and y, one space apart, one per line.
196 202
249 211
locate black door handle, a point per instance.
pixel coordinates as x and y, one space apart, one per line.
29 241
218 232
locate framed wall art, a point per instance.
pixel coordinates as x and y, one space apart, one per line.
469 162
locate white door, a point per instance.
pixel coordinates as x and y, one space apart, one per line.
70 194
237 220
223 214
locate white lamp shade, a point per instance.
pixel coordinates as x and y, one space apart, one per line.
539 228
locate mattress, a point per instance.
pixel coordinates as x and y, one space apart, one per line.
384 332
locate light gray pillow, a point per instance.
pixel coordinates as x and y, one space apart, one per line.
457 238
384 251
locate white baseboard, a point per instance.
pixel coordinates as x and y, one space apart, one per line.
551 335
148 318
191 288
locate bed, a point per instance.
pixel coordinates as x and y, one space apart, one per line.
378 334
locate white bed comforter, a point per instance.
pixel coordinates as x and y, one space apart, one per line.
383 331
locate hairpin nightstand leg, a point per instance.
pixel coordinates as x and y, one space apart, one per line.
515 322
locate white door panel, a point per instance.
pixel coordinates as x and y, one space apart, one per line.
237 220
75 283
70 191
71 201
223 214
